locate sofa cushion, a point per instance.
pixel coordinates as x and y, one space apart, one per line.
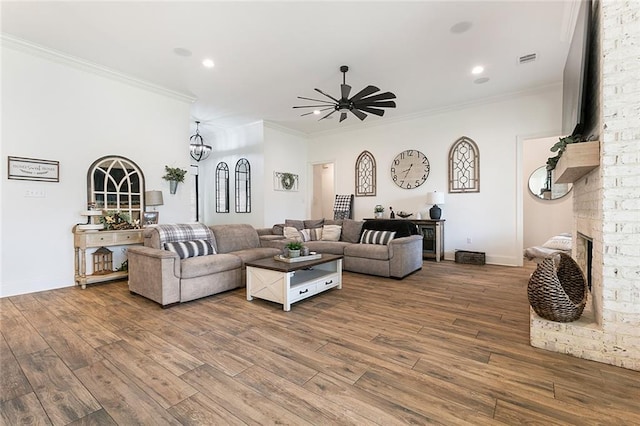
333 222
230 238
291 233
314 234
351 230
367 251
313 223
370 236
403 228
298 224
278 229
192 248
331 232
328 247
193 267
255 254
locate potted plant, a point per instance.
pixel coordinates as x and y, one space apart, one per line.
560 147
378 210
294 248
174 175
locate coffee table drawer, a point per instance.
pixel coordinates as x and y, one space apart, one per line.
328 282
301 291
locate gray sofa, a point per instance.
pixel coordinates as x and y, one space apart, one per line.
397 259
163 276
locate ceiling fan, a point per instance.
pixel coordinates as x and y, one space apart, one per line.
358 104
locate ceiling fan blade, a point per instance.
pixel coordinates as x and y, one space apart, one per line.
316 100
364 92
313 106
361 115
375 111
328 114
379 97
343 115
328 96
311 112
379 104
345 89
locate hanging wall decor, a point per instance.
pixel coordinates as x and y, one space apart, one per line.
222 188
284 181
365 175
464 166
243 186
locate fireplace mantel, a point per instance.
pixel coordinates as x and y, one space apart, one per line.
577 160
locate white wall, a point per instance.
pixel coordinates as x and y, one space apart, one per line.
542 218
56 111
490 217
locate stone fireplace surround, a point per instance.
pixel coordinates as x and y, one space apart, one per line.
607 206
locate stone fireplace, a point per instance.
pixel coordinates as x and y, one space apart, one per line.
607 205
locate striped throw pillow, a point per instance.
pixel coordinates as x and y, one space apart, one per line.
191 248
314 234
370 236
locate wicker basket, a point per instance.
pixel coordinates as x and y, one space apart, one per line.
557 289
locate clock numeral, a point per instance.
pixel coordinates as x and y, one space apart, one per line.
396 162
395 178
410 153
408 186
417 182
393 170
425 161
401 182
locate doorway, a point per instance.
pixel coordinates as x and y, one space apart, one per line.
324 192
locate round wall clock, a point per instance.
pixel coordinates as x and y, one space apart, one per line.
410 169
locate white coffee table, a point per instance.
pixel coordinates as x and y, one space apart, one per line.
287 283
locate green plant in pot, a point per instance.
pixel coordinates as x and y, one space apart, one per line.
560 147
293 248
174 175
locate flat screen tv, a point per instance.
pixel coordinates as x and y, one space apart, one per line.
575 88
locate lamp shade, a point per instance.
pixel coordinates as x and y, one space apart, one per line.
153 198
435 197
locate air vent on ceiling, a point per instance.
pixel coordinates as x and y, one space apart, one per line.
525 59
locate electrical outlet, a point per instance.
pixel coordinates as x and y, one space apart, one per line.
469 240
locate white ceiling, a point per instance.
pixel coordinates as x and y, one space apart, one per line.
267 53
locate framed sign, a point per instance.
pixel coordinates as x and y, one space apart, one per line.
21 168
149 218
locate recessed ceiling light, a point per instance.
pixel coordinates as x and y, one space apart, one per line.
316 112
477 69
181 51
208 63
461 27
481 80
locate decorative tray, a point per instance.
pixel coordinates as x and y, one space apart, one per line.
281 258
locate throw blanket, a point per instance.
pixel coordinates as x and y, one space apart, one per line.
183 232
402 228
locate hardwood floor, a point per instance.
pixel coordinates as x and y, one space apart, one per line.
447 345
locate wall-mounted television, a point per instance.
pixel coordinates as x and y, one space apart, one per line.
575 79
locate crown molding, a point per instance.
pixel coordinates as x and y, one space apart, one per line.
284 129
25 46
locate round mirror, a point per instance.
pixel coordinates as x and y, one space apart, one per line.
541 185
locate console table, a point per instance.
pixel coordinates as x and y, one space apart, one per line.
83 240
287 283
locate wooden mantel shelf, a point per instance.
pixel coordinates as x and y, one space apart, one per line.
576 161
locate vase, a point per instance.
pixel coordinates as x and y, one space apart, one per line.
304 251
294 253
173 186
378 215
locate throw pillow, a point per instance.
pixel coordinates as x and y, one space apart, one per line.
311 234
292 233
191 248
278 229
370 236
298 224
559 243
331 232
351 230
314 223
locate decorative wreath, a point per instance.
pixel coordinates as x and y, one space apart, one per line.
287 180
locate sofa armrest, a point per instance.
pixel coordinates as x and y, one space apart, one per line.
405 255
154 274
264 231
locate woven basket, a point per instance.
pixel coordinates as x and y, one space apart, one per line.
557 289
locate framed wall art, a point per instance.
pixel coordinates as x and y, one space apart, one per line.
22 168
283 181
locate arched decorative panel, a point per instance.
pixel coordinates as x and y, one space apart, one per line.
222 188
365 175
464 166
243 186
116 183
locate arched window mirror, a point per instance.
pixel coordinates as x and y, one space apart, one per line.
365 175
222 188
116 183
464 166
243 186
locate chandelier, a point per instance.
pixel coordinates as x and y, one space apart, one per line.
199 151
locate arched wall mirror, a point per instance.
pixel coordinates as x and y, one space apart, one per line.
116 183
541 185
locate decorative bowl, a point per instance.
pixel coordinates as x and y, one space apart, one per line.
404 215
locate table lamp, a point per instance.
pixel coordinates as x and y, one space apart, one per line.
435 198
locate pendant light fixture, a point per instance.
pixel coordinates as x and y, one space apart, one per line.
199 151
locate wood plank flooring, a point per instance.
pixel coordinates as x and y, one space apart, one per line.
447 345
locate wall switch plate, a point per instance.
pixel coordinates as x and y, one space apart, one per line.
35 193
468 240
